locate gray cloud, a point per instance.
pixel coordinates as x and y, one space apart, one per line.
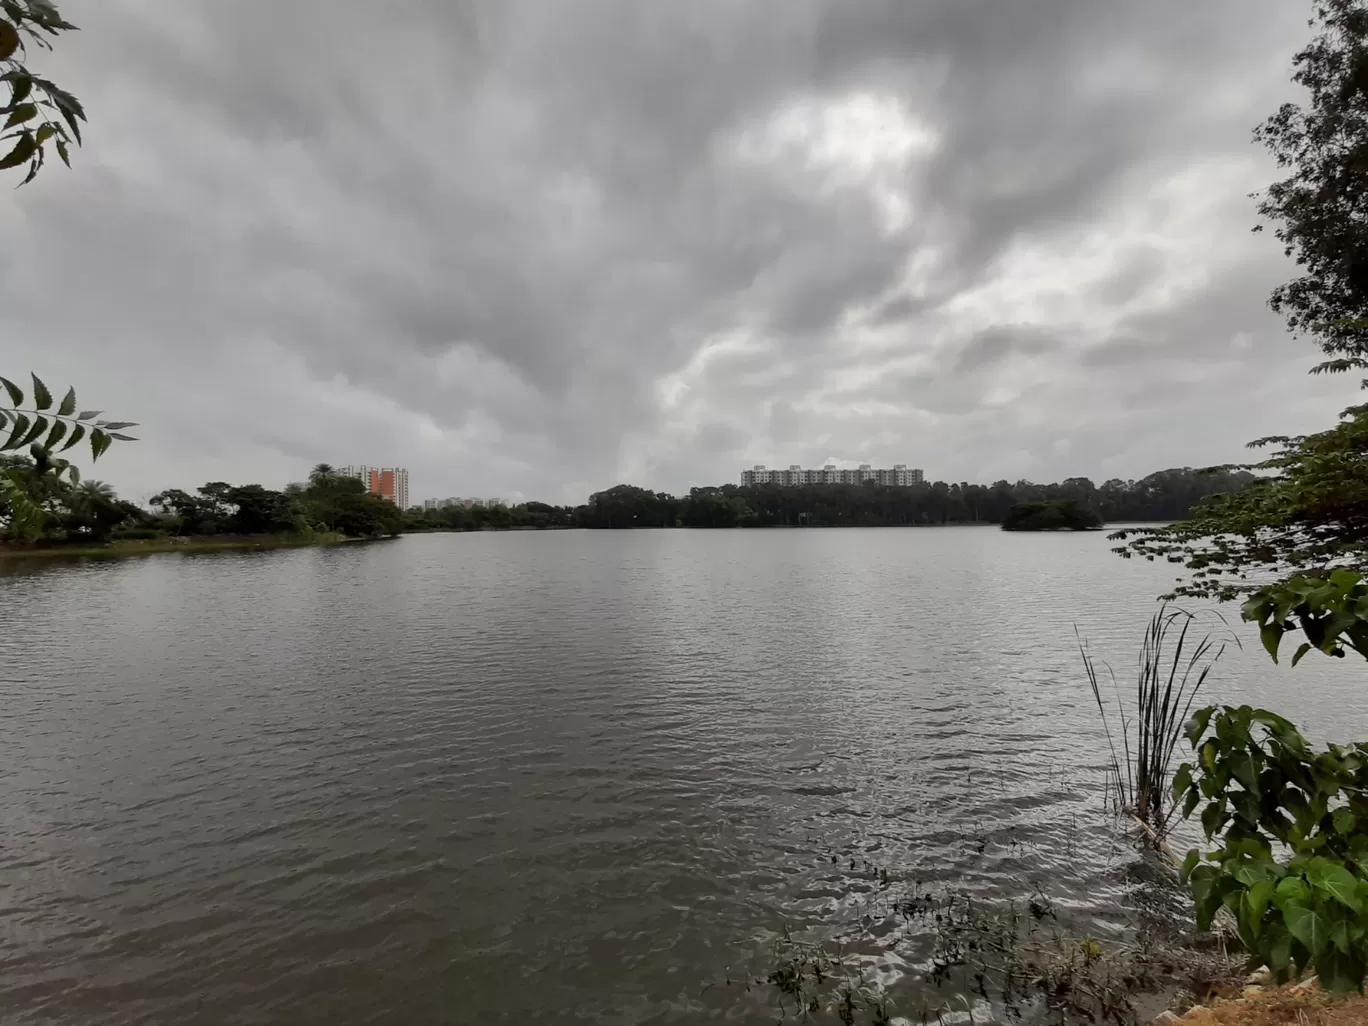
539 248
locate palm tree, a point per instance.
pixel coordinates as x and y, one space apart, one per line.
322 474
90 496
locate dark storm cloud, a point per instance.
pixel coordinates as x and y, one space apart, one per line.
541 247
994 344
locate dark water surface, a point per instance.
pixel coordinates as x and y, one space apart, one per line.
546 777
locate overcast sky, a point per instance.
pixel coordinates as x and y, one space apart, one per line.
538 248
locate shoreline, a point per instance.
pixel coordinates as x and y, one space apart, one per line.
125 549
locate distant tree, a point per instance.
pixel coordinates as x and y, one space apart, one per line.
37 112
1051 515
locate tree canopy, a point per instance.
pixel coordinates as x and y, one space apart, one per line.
1321 206
1058 515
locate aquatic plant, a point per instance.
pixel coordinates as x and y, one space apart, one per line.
1172 667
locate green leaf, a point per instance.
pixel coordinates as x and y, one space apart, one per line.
1189 864
1182 780
1308 926
122 438
1338 972
99 442
1194 798
76 435
1256 901
16 394
68 403
22 152
21 424
20 87
1336 881
1291 890
1302 649
20 114
1343 819
1197 725
42 398
1246 772
1279 950
88 414
118 425
63 152
1271 634
1214 817
58 432
9 40
40 426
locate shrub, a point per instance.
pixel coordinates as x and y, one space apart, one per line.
1292 868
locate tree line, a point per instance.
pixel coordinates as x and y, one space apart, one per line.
1165 495
57 510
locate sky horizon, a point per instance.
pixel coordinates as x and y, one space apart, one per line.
533 251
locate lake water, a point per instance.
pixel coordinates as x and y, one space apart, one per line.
540 777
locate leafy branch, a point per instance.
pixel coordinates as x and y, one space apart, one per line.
38 111
47 427
1292 866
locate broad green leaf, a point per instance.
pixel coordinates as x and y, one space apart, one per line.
1279 949
42 398
1197 725
58 432
1271 634
1309 926
1189 864
1291 890
1194 798
1336 881
76 435
68 403
1302 649
1338 972
1182 780
1214 817
1343 820
1256 901
99 442
22 152
1242 765
15 393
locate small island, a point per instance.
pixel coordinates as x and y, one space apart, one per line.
1051 515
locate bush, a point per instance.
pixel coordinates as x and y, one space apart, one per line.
1061 515
1263 786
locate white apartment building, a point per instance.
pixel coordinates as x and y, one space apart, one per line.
900 475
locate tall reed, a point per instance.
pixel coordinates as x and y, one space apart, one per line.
1171 669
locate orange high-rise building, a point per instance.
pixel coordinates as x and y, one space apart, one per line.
387 482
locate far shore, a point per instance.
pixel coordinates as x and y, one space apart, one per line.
141 547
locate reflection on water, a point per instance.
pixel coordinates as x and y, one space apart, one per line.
540 777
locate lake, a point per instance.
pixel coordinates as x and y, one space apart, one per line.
540 777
